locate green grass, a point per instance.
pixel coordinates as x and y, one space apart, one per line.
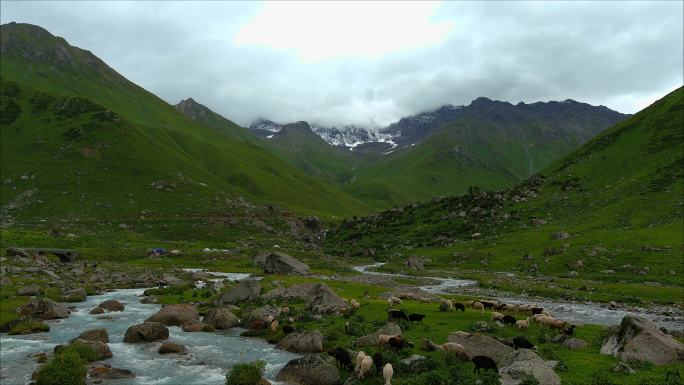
29 327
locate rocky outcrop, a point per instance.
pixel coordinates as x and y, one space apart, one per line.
245 291
283 264
221 318
319 298
146 332
480 345
390 329
574 343
303 342
637 339
170 347
100 335
44 308
112 305
308 370
518 364
175 315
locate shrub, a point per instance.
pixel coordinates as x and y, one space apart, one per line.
246 374
84 352
65 369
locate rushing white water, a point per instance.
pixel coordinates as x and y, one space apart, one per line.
211 354
577 312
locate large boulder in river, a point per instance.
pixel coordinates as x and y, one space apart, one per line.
283 264
170 347
146 332
245 291
108 373
43 308
390 328
175 315
221 318
112 305
303 342
518 364
476 344
95 335
637 339
101 348
308 370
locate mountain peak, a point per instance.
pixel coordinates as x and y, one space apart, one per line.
35 44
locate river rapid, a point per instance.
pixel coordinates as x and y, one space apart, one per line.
211 354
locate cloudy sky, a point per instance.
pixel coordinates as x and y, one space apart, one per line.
372 63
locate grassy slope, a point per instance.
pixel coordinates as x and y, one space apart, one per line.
158 143
621 191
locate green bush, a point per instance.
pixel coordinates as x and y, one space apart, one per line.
84 352
30 327
65 369
246 374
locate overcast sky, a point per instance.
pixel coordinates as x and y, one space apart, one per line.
372 63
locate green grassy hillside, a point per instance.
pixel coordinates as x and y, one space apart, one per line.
618 198
88 143
492 145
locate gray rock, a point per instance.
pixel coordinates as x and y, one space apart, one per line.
5 281
389 328
170 347
302 342
283 264
415 263
112 305
146 332
100 335
43 308
319 298
559 236
175 315
262 313
31 290
75 295
622 367
245 290
574 343
480 345
109 373
221 318
637 339
516 365
308 370
413 360
101 348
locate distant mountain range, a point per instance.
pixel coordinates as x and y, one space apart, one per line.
412 130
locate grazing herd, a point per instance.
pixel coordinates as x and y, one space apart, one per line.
503 314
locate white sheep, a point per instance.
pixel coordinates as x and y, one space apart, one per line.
478 306
453 347
396 300
359 358
462 334
523 323
269 319
274 325
355 304
496 316
285 310
387 373
383 339
449 304
366 364
390 303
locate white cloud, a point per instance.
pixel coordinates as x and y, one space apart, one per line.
372 63
334 29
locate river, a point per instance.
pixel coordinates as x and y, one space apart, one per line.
211 354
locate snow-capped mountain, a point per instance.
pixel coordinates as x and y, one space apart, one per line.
352 136
407 131
265 128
